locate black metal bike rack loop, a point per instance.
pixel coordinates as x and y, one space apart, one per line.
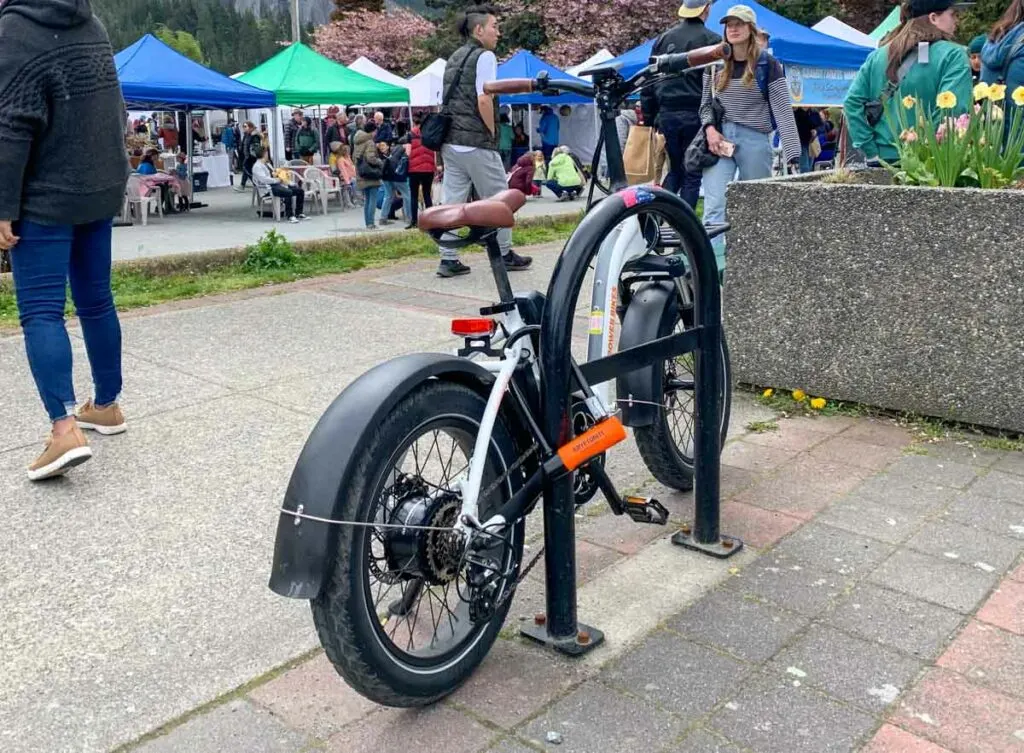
560 627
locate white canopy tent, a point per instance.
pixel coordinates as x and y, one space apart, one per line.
597 58
426 88
835 28
369 68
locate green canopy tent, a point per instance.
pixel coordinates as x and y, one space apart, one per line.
891 22
300 76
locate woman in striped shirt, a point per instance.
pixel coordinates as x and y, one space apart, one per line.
753 92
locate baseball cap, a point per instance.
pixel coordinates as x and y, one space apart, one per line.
741 13
977 44
693 8
920 8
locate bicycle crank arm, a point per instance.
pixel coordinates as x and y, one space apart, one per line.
576 453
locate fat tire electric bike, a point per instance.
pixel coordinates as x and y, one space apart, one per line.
403 522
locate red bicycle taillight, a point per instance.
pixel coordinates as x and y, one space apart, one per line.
476 327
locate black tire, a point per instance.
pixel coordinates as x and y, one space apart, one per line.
663 446
348 624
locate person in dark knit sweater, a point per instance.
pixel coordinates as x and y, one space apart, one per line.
58 92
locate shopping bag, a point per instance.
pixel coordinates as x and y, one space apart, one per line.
640 155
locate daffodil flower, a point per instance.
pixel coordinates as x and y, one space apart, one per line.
1018 96
981 91
946 100
909 102
997 92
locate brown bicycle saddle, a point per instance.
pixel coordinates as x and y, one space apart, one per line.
497 211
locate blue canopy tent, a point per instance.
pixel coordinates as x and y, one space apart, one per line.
791 43
154 76
527 65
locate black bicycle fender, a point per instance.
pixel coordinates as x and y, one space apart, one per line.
651 308
304 549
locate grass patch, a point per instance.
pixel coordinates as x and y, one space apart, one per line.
1004 444
786 405
760 427
146 283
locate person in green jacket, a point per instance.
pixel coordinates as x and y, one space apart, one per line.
564 179
947 70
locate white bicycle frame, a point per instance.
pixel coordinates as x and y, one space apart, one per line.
624 244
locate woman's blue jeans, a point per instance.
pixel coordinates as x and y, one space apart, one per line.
45 260
753 161
370 205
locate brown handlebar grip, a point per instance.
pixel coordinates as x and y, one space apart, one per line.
509 86
705 55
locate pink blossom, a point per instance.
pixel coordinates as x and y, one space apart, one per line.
388 39
963 122
940 133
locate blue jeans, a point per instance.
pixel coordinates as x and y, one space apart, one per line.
370 205
45 260
806 163
402 187
679 129
753 159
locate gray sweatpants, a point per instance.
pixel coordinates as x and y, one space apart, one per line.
480 169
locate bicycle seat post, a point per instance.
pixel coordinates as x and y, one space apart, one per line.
498 267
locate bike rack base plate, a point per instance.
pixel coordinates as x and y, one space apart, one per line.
725 547
571 646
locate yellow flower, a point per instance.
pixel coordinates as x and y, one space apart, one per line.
1018 96
799 395
946 100
997 92
981 91
909 102
768 392
818 403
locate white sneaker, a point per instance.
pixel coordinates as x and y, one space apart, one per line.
293 220
303 217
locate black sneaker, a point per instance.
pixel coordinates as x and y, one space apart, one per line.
452 268
516 263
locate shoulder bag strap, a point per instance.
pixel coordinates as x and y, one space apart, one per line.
893 86
456 80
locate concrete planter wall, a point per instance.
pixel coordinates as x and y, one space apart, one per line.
899 297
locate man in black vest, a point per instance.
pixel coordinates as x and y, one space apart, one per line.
673 106
471 158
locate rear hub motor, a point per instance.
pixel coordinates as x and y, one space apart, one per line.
434 556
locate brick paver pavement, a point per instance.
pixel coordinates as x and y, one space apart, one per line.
877 616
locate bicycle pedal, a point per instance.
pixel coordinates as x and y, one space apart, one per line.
646 510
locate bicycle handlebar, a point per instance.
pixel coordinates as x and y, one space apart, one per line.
668 65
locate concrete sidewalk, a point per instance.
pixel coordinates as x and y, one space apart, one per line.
879 604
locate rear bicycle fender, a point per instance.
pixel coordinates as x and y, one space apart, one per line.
651 311
304 553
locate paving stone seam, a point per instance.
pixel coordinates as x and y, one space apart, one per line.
240 692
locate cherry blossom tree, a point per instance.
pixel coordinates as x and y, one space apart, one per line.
389 38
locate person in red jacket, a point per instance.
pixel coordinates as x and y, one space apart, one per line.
422 167
521 176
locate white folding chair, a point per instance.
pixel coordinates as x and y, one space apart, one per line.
137 200
259 199
314 182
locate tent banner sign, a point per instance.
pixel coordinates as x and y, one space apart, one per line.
818 87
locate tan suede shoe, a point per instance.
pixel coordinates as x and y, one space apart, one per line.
106 420
61 454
